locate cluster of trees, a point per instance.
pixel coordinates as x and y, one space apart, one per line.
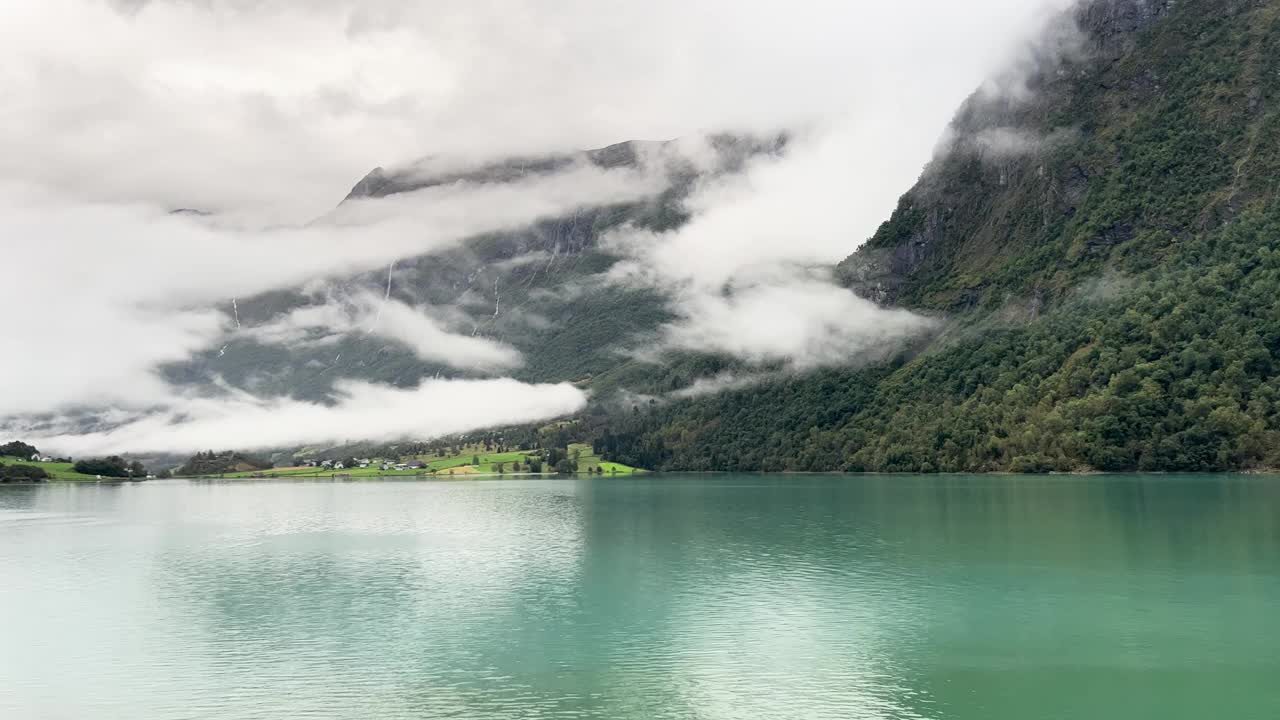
1175 369
516 467
22 473
517 438
113 466
1112 297
561 460
18 449
214 463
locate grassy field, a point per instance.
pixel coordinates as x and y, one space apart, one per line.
58 471
488 461
448 466
588 461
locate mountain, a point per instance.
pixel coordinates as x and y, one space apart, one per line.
1102 235
536 289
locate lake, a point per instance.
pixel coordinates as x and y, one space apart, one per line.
734 596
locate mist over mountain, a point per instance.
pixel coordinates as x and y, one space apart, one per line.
570 359
534 301
1102 243
1075 281
174 183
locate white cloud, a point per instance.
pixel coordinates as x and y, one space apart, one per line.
812 207
804 322
761 234
717 384
1004 143
362 412
107 292
367 313
280 105
269 111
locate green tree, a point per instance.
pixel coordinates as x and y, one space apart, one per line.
22 473
113 466
553 456
18 449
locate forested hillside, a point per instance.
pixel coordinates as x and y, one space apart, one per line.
1103 238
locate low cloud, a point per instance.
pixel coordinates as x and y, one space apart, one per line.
718 384
278 106
366 313
813 206
106 293
1005 143
267 112
361 412
745 272
803 323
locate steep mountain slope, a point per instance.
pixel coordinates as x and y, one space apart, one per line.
1152 127
537 289
1102 233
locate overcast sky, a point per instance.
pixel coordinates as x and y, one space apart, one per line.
268 111
283 104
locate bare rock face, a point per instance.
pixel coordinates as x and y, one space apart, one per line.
1112 25
878 273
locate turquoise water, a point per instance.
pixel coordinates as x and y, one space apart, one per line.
753 597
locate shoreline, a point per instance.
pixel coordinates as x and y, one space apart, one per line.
427 477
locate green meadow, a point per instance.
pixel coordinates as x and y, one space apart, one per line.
470 461
56 470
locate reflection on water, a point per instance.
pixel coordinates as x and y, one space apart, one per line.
673 597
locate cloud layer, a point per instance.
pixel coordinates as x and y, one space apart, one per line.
803 323
746 271
361 412
107 292
278 106
266 112
366 313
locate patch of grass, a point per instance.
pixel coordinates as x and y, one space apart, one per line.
460 470
589 461
446 466
57 471
613 468
487 459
